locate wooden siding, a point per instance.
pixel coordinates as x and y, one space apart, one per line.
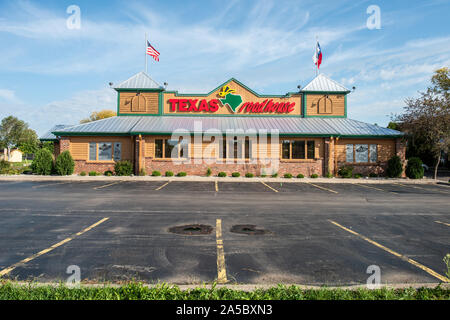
79 146
385 147
144 103
325 105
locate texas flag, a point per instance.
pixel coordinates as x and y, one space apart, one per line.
317 57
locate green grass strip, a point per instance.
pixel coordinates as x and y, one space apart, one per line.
137 291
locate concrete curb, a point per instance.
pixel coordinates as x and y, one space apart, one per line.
240 287
206 179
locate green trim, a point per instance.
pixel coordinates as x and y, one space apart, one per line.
345 106
324 116
118 103
45 140
304 105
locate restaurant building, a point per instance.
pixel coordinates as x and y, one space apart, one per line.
231 129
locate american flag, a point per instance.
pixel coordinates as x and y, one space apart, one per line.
152 51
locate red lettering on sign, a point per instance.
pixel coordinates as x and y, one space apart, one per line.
203 106
213 105
173 104
192 105
182 104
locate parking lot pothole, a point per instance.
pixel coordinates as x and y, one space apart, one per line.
248 229
192 229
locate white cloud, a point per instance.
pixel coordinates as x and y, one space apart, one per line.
68 111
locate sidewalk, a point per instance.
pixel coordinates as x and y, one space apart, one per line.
214 178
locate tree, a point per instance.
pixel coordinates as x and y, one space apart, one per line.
29 142
14 133
428 117
98 115
393 125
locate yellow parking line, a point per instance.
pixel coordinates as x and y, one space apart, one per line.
273 189
447 224
411 261
165 184
221 269
49 184
56 245
416 187
370 187
323 188
216 185
107 185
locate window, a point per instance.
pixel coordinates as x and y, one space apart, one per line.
349 153
158 148
373 153
361 153
169 148
104 151
286 149
310 149
223 141
117 151
297 149
92 151
248 148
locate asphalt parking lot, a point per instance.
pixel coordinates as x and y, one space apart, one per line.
311 233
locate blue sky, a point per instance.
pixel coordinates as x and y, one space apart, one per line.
50 74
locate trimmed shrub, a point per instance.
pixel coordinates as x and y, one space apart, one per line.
93 173
300 176
274 175
328 175
142 172
169 174
236 174
314 175
43 162
156 173
181 174
64 164
208 172
357 175
123 168
263 175
222 174
394 168
414 169
108 173
288 175
4 166
249 175
373 175
346 172
82 173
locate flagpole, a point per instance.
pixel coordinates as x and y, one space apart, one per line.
146 65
